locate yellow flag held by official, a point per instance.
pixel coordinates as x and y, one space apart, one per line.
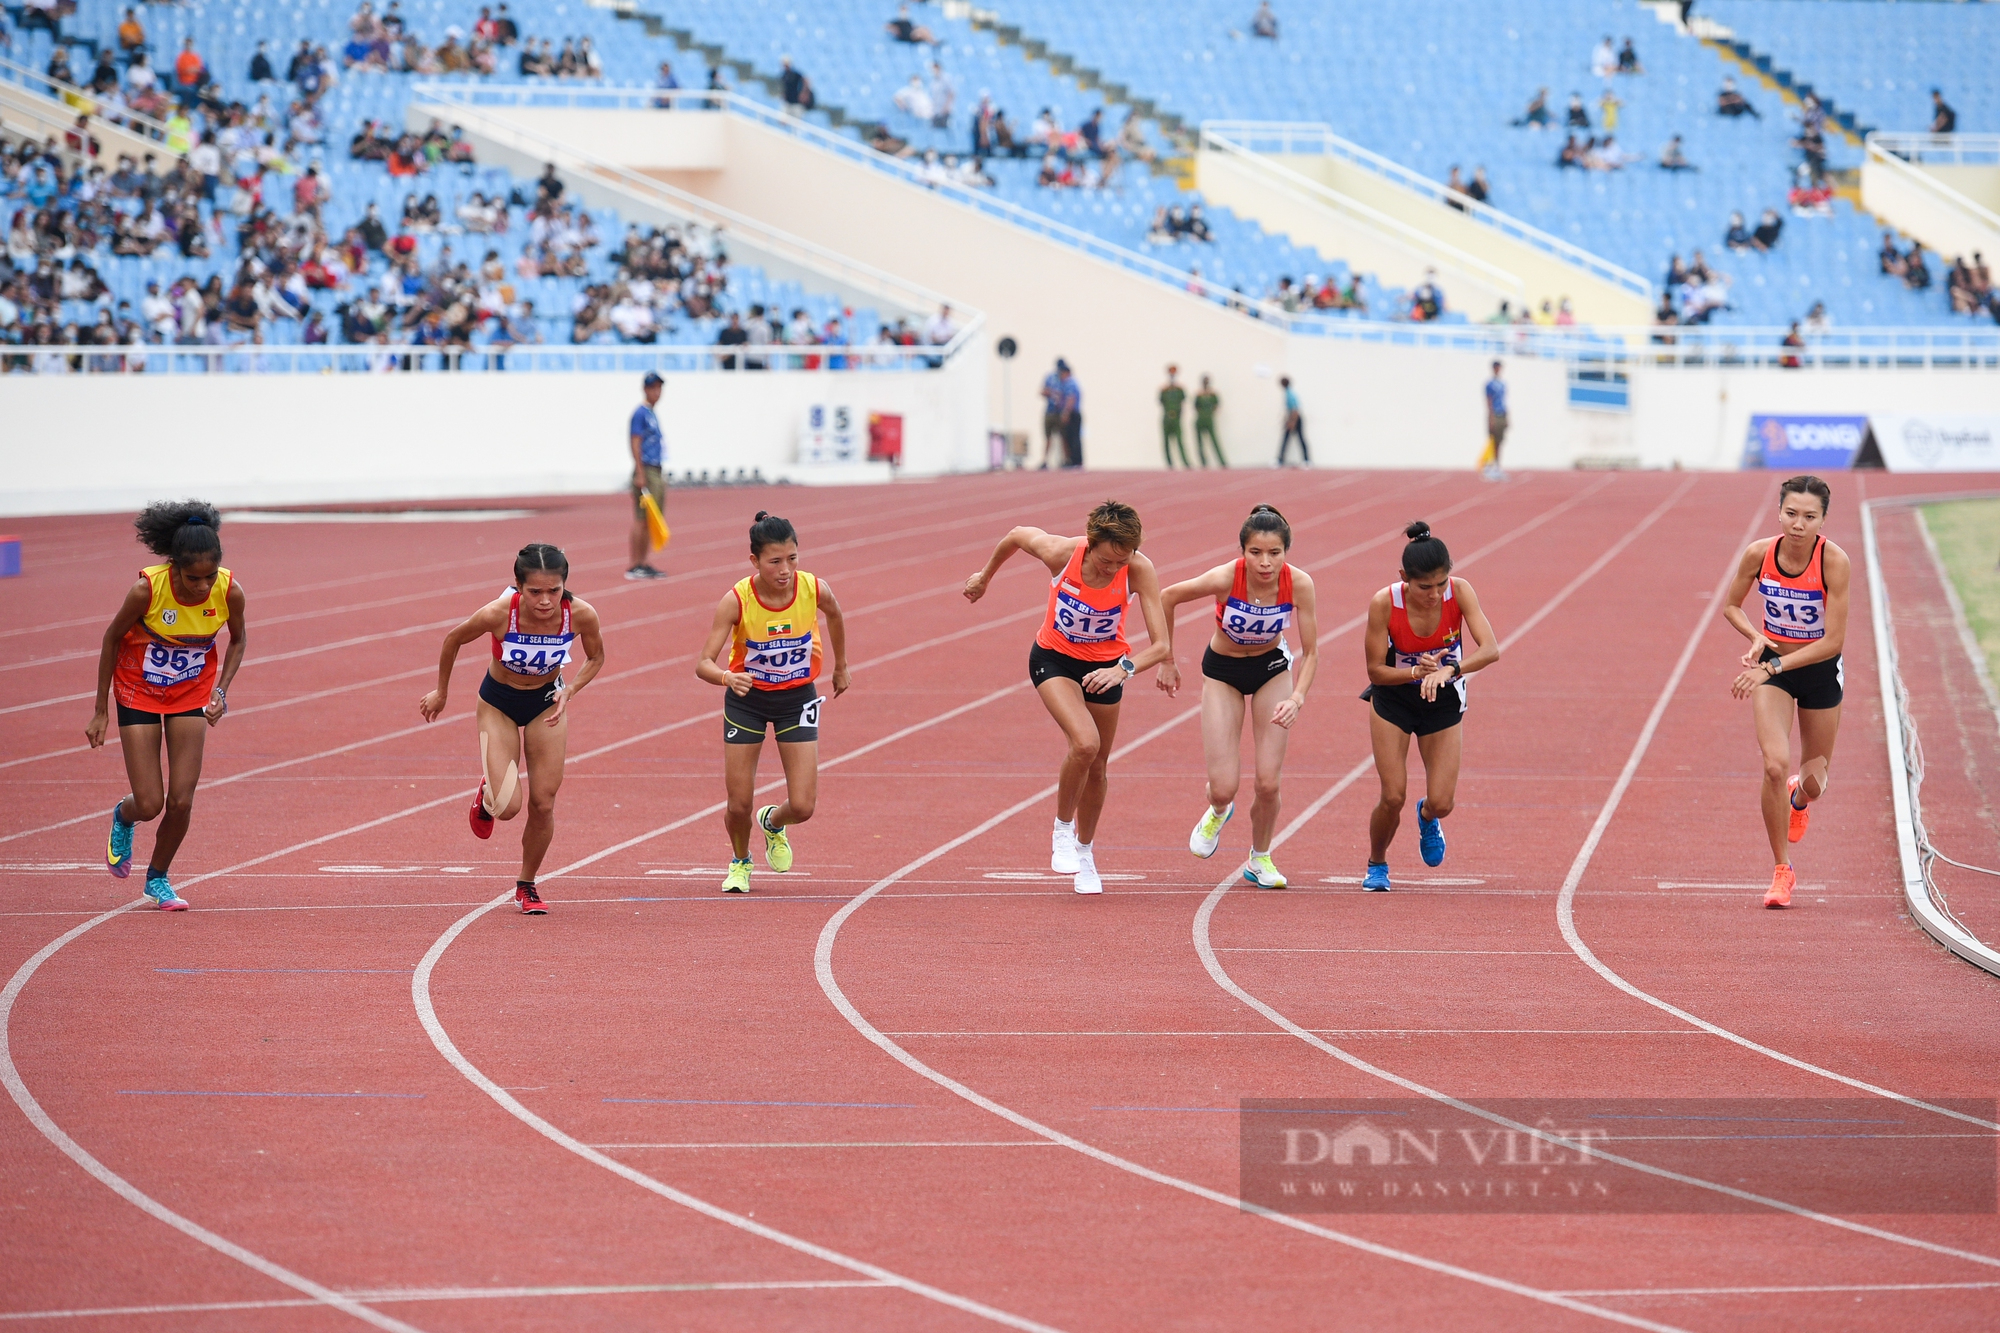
1486 456
656 522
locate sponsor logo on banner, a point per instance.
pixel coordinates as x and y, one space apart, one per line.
1804 444
1938 443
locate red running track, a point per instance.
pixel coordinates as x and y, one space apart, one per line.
921 1084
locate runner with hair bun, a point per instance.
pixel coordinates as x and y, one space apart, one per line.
535 625
1417 661
1080 660
158 657
769 623
1258 596
1793 663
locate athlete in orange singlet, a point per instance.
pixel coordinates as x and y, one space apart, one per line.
1793 662
1081 660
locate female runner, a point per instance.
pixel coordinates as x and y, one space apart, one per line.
1081 661
1417 665
1793 661
158 653
1257 598
769 622
524 700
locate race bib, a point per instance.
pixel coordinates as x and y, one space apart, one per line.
779 661
1792 613
1449 653
1253 626
1080 622
173 665
534 654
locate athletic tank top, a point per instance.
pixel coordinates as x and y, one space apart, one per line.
777 645
1084 622
1794 605
1406 646
1242 621
527 654
166 662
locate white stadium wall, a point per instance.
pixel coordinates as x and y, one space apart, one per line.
303 439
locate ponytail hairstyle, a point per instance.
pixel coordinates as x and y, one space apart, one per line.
540 555
183 531
1265 518
1114 522
1805 484
1425 554
770 530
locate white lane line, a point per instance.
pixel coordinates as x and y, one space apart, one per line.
1556 953
420 995
1345 1032
1791 1291
405 1294
1207 953
1566 898
823 966
846 1143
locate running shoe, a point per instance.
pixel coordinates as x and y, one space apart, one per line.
1208 833
777 848
118 852
1259 871
1780 892
530 901
1430 838
161 892
1376 878
1062 849
1086 880
642 572
738 879
482 823
1794 831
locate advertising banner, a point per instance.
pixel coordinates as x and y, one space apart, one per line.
1919 442
1804 443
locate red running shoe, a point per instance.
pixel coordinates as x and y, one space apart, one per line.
1780 892
482 823
530 901
1800 816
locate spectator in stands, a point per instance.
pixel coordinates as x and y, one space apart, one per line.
1092 131
882 141
1571 154
1810 196
1916 273
1817 320
914 100
1674 158
944 96
1603 60
734 335
1606 155
260 66
507 31
1889 259
633 319
1537 115
1608 106
1480 190
795 89
1958 288
1162 230
1730 102
1426 302
1132 139
1628 59
1737 237
903 28
131 34
1765 238
667 84
1264 23
1944 120
190 72
1793 343
1576 118
1454 188
1197 225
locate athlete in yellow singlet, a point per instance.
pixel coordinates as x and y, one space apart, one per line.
769 623
159 656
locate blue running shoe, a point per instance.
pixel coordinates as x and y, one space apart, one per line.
118 852
161 892
1377 878
1430 838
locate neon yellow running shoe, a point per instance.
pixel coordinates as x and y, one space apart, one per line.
777 847
1259 871
738 879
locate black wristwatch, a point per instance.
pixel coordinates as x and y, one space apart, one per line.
1131 667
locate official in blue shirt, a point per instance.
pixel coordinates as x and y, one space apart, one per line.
1496 424
648 454
1069 408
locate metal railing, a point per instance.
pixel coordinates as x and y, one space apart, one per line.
403 358
1315 138
1615 348
81 100
1940 150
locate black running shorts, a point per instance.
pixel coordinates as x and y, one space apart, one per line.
792 715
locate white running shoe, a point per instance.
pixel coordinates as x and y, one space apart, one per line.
1087 880
1062 849
1208 833
1259 871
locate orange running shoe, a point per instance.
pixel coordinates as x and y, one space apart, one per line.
1780 892
1800 816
